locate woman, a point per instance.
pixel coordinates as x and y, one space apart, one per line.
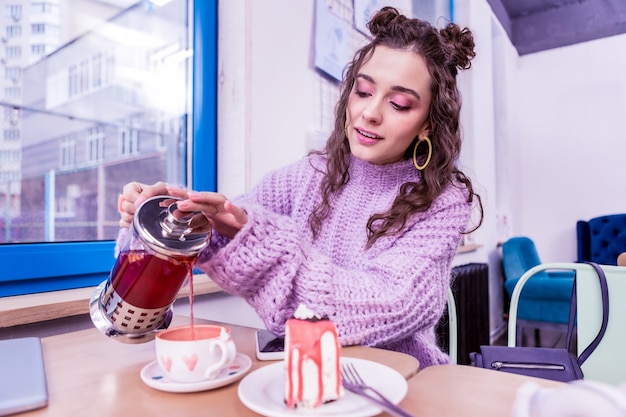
365 231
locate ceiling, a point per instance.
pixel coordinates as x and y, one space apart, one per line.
538 25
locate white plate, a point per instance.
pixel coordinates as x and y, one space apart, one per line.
263 391
152 375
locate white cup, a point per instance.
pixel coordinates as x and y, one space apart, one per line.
194 353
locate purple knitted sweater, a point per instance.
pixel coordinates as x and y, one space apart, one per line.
390 296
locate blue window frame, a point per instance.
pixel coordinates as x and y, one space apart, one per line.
40 267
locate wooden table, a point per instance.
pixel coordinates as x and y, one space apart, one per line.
92 375
465 391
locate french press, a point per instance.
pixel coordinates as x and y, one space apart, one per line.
153 264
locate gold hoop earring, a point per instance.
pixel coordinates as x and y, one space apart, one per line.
345 128
430 153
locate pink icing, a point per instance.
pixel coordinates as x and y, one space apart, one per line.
304 336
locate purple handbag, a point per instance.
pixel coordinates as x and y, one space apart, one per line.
549 363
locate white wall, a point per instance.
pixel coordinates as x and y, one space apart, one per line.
572 147
543 133
267 92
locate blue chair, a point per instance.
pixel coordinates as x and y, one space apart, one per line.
545 300
601 239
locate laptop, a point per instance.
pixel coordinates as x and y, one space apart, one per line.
23 384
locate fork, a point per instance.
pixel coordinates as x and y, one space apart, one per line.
352 381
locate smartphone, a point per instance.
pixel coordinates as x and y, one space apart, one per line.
23 385
269 347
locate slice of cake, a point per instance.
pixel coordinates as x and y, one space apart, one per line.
312 351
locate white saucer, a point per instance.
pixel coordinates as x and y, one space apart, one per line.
152 376
263 391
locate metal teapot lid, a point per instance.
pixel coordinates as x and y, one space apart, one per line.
166 230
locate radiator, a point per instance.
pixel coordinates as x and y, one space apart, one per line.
470 286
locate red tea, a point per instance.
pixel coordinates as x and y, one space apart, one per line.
148 281
196 332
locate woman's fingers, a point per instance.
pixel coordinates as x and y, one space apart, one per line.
207 202
125 219
177 192
200 224
217 211
133 194
136 192
225 217
238 213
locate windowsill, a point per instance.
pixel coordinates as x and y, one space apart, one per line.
33 308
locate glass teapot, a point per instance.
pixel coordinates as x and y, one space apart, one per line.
153 264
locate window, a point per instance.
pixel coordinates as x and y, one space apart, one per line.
12 73
13 52
68 152
9 156
38 49
95 144
11 134
44 29
38 28
13 31
128 141
9 176
96 70
61 234
12 93
83 76
43 7
14 11
72 75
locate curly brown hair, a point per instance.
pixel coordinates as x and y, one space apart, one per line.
445 52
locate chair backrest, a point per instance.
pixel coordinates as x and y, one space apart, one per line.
601 239
606 363
519 254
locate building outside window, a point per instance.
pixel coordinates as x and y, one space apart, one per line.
75 147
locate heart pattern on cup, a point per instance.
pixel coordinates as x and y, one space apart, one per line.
191 361
166 361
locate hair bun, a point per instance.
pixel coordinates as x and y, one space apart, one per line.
384 19
461 44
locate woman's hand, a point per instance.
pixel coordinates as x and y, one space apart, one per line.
133 194
221 214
